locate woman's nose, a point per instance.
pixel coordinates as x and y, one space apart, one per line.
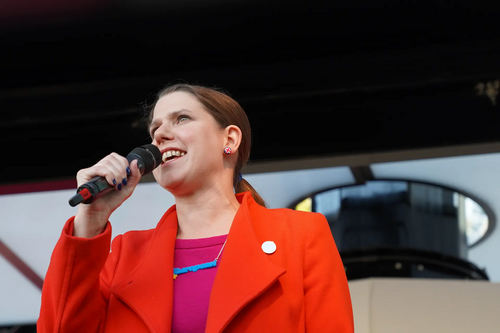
162 133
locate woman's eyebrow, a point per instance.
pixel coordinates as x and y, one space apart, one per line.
175 114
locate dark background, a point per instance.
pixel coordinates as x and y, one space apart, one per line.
316 78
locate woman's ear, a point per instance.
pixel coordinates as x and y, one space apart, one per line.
233 137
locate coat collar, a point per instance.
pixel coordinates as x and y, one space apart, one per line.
244 273
245 270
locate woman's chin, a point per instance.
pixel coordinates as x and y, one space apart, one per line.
169 181
175 187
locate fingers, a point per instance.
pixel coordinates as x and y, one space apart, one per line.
114 168
92 218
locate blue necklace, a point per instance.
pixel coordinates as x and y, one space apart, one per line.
194 268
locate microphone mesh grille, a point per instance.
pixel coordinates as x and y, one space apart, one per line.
149 155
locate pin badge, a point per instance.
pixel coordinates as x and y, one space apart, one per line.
269 247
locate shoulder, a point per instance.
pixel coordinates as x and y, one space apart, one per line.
134 242
293 215
139 236
287 220
304 222
282 213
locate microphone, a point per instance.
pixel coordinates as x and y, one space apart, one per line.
148 158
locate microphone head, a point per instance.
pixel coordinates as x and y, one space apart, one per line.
148 158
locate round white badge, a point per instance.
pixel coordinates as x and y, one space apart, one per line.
269 247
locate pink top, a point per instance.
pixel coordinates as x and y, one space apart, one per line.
192 289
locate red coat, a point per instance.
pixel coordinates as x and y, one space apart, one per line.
300 287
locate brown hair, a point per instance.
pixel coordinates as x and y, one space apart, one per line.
226 111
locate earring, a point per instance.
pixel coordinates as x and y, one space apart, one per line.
227 150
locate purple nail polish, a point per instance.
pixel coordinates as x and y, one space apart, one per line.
119 187
128 171
114 182
124 182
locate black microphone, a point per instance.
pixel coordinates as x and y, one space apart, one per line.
148 158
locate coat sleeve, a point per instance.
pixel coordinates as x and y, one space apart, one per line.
75 293
327 300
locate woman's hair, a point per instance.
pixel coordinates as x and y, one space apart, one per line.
226 111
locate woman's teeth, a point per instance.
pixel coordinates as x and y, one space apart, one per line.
171 154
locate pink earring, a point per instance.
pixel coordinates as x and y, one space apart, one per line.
227 150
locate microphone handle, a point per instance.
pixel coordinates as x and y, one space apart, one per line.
90 191
98 186
148 157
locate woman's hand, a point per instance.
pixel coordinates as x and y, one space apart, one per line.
91 218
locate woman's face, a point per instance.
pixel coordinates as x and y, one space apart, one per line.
191 143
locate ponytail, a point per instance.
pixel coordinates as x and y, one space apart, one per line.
242 186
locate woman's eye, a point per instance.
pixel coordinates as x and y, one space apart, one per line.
182 118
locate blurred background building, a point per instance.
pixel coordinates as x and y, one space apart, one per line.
381 115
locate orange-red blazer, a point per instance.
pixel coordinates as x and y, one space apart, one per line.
300 287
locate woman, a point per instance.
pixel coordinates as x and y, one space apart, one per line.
215 262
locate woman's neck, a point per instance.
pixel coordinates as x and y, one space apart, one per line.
205 213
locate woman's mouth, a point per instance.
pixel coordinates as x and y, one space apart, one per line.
171 154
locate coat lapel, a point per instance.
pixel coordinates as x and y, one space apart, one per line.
244 273
148 289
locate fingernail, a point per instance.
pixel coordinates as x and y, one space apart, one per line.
114 182
124 182
128 171
119 187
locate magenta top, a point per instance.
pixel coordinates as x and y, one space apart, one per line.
192 289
